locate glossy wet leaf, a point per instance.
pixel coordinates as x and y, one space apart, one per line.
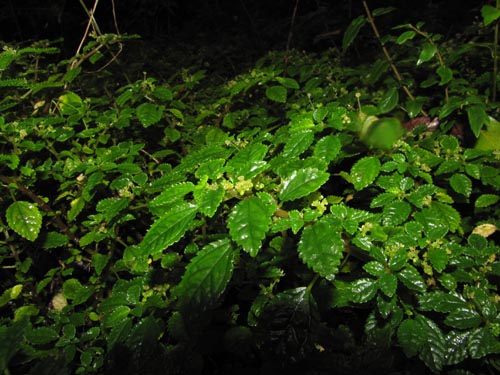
364 172
363 290
302 182
206 278
427 53
389 101
168 229
321 248
248 223
25 219
461 184
395 213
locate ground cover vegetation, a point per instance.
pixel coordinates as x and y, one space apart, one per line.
289 218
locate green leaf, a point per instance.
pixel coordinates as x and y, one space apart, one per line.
410 337
25 219
352 31
298 142
149 113
248 223
363 290
463 318
447 214
321 248
446 75
438 258
170 197
277 94
208 200
461 184
168 229
42 335
388 282
302 182
10 294
364 172
389 101
407 35
482 342
287 82
395 213
55 239
476 114
206 278
111 207
74 290
99 261
427 53
490 14
71 104
412 279
327 148
434 347
116 317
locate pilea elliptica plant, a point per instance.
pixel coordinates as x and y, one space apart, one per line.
182 227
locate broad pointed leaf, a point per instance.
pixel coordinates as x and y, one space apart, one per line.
302 182
461 184
321 248
168 229
364 172
276 94
249 222
149 113
206 278
25 219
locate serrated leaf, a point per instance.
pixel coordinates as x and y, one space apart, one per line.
388 283
457 347
412 279
74 290
297 143
434 348
410 337
170 197
206 278
149 113
248 223
321 249
389 101
110 207
481 342
448 215
208 200
395 213
10 294
438 258
55 239
440 302
486 200
302 182
249 161
374 268
461 184
287 82
463 318
364 172
25 219
363 290
76 206
327 148
382 200
99 262
276 93
168 229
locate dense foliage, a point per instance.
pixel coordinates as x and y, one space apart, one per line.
282 219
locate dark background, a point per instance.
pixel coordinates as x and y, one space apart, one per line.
250 25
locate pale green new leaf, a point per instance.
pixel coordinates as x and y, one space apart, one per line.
249 222
149 113
25 219
302 182
364 172
206 277
168 229
321 248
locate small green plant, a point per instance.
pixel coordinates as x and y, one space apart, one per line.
182 227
